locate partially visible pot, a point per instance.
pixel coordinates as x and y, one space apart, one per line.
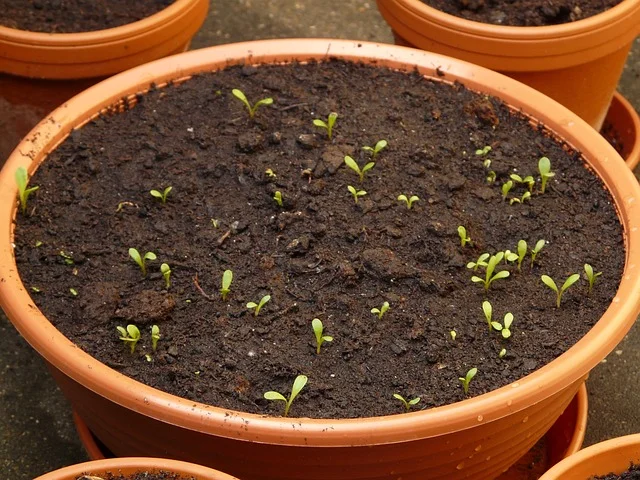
578 63
129 466
613 456
623 124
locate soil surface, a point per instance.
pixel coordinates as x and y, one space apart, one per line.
632 474
523 13
138 476
72 16
320 255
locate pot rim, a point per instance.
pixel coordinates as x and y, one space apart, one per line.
586 26
135 463
95 37
564 371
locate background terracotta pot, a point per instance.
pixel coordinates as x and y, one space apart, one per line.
612 456
578 64
478 438
625 122
128 466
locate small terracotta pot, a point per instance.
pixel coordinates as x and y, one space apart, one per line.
129 466
624 123
477 438
578 63
612 456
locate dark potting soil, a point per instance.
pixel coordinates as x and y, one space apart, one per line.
72 16
136 476
632 474
523 13
320 255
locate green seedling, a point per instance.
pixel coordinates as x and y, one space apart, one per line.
141 261
502 353
22 180
215 223
453 334
588 269
483 151
73 292
270 173
525 196
318 330
528 180
509 256
407 404
328 125
544 167
259 305
382 144
381 311
252 110
464 239
491 177
494 260
548 281
408 201
356 193
506 187
466 380
487 309
155 336
166 274
38 243
351 163
227 278
130 336
298 385
35 289
161 195
480 262
68 259
504 327
278 198
486 163
536 250
522 252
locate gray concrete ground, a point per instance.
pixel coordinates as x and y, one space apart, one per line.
36 430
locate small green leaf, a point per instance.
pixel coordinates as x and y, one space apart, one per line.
274 396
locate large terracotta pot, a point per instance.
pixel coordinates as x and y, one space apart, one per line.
476 438
578 63
612 456
128 466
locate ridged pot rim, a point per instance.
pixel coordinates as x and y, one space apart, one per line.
543 383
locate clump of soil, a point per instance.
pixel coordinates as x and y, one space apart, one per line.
73 16
632 474
523 13
320 254
136 476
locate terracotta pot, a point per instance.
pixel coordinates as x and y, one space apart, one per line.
128 466
578 63
624 124
477 438
612 456
564 438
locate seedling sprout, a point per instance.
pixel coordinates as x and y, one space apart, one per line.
483 151
525 196
506 187
509 256
407 403
462 233
544 167
480 262
252 110
491 177
328 125
487 309
270 173
278 198
529 180
161 195
408 201
380 311
351 163
141 261
22 180
504 328
166 274
522 252
466 380
356 193
591 276
536 250
155 336
130 336
73 292
548 281
259 305
489 276
453 334
227 278
502 353
380 145
298 385
318 330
